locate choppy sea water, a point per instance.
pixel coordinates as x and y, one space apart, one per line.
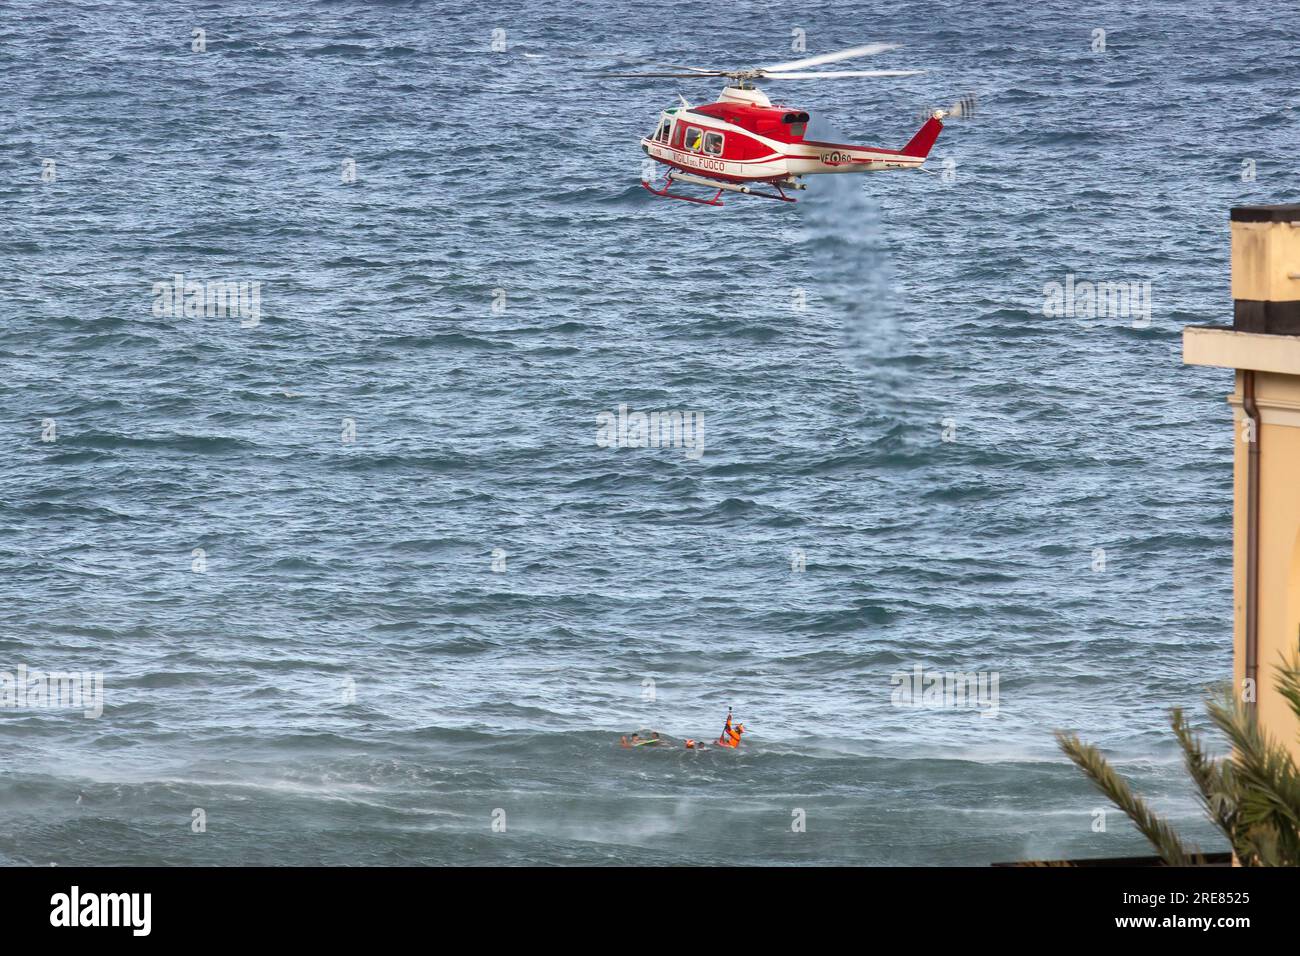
443 614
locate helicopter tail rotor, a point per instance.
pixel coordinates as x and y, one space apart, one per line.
962 109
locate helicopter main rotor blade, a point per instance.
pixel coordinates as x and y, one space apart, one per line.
869 50
838 74
696 74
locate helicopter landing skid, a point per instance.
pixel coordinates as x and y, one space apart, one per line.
713 184
715 201
779 194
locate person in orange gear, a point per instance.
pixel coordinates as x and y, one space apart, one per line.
730 736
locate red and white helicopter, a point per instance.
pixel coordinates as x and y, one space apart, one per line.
744 140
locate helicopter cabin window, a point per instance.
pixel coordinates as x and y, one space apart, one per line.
665 128
692 139
713 144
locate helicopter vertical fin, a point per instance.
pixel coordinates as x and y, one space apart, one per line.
923 141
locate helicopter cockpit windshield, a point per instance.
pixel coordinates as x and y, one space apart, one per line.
664 132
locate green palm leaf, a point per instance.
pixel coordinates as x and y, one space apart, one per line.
1090 760
1252 796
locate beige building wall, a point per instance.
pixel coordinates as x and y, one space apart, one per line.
1277 395
1263 346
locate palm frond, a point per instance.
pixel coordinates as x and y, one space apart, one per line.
1161 836
1216 793
1251 796
1266 776
1288 682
